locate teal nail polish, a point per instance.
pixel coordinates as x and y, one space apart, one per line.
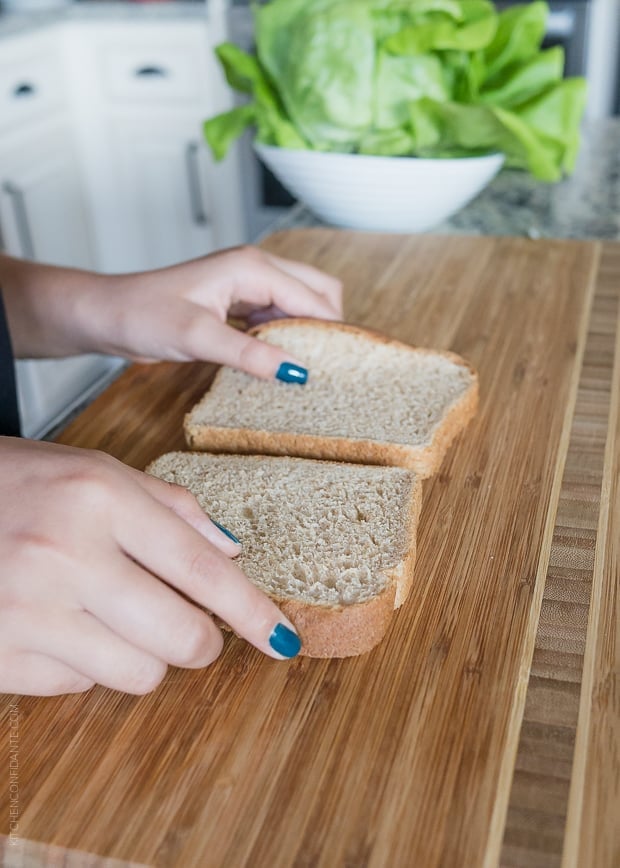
225 530
290 373
284 641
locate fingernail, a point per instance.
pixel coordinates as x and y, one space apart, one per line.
285 641
290 373
225 531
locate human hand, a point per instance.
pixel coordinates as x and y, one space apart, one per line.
94 557
180 313
177 313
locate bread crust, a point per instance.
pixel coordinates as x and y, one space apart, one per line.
340 631
405 574
425 461
348 631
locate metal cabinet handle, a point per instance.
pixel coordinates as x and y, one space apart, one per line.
151 72
24 89
199 215
21 219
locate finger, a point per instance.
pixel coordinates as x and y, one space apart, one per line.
152 616
33 674
263 282
171 549
183 503
207 338
321 282
80 641
255 316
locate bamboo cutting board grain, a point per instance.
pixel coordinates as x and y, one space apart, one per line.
484 729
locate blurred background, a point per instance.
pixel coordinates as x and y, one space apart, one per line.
587 30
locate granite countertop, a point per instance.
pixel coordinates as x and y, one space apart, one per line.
586 205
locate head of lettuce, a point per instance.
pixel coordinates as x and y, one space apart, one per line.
422 78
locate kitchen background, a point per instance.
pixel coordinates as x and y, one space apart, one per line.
588 31
102 163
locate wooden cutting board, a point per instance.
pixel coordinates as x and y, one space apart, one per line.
484 729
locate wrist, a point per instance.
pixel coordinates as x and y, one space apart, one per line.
50 310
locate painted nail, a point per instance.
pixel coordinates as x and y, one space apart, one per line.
285 641
290 373
227 532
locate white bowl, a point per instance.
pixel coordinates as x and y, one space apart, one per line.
381 194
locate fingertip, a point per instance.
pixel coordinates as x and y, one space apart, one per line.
285 641
228 534
291 372
332 312
261 359
221 537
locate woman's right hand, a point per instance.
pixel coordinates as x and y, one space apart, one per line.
97 561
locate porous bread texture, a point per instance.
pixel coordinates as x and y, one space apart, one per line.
368 399
333 545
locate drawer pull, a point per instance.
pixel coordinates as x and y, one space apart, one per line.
151 72
21 219
199 215
23 90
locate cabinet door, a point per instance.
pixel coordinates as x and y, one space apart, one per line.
42 208
163 192
43 217
48 390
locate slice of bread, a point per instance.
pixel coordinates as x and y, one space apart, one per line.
368 399
332 544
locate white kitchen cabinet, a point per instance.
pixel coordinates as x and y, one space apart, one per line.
142 91
161 190
44 215
103 165
32 84
127 100
49 389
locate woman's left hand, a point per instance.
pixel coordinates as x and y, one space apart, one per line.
178 313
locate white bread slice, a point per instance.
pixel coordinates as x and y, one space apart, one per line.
332 544
368 399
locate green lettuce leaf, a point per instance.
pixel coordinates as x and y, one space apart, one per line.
401 80
442 34
265 112
405 78
520 31
223 129
520 83
324 67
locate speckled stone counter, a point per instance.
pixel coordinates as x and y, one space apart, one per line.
586 205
